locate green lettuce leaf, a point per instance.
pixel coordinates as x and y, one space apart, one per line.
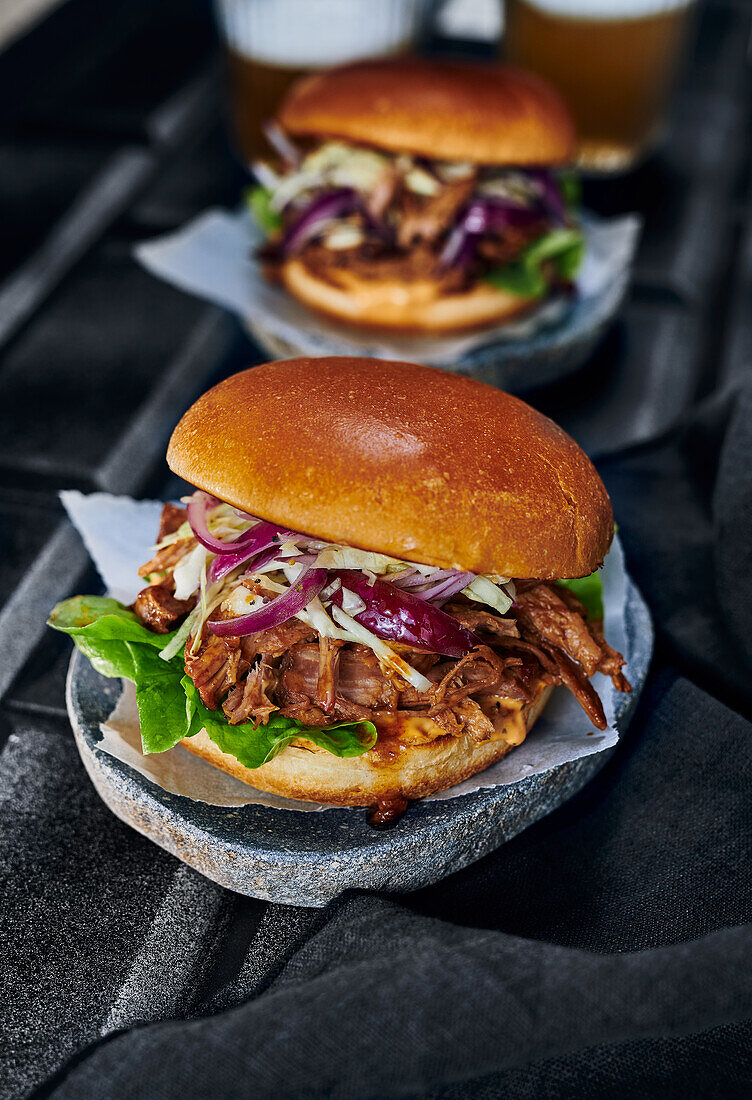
169 707
118 645
161 708
102 629
589 591
254 747
571 190
259 203
562 248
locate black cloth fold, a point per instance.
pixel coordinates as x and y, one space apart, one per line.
684 506
606 951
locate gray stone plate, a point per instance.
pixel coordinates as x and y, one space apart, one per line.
309 858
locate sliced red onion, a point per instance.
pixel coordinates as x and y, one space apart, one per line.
440 586
306 559
281 143
428 587
552 199
401 576
399 616
459 248
333 586
323 208
491 213
291 602
250 542
444 590
266 176
225 563
480 216
199 507
419 578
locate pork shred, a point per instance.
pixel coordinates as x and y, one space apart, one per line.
158 609
403 237
546 638
156 605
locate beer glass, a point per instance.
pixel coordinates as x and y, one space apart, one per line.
614 61
270 43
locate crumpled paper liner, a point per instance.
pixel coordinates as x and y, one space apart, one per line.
118 533
212 256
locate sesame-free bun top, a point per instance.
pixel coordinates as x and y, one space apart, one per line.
402 459
446 110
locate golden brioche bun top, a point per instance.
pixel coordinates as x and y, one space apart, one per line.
446 110
401 459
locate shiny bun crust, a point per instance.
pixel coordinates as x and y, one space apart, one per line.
312 774
418 306
406 460
446 110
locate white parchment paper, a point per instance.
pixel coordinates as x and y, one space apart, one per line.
212 256
118 533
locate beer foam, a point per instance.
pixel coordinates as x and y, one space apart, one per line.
297 34
607 9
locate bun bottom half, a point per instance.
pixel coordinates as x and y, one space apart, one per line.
418 306
315 775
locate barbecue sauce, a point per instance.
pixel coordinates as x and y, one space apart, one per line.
386 812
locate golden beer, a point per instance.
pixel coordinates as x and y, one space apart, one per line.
614 62
270 43
256 88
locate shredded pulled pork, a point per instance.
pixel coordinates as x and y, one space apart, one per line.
216 667
157 607
400 233
172 519
427 218
416 253
546 638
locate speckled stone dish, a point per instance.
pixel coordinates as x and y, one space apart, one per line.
526 357
308 859
518 365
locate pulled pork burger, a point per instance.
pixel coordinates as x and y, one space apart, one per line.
369 596
420 195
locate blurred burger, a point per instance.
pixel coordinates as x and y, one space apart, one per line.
368 598
420 195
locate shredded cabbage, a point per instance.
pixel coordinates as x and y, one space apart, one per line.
293 186
333 622
183 532
188 572
241 601
483 590
514 186
352 603
450 170
346 165
194 624
347 557
385 655
177 643
315 615
334 164
344 235
421 182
